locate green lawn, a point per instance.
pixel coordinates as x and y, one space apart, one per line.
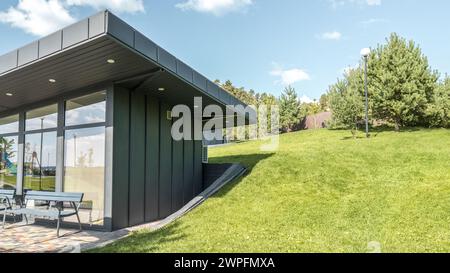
31 183
322 192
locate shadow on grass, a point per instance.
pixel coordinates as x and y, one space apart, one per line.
147 242
352 137
249 161
385 128
375 131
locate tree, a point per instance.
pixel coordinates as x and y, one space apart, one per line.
347 102
289 109
324 102
401 82
251 97
6 151
438 111
6 148
269 101
248 97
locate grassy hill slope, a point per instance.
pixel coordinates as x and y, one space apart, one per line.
322 192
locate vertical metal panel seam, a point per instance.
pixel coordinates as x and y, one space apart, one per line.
38 50
62 39
171 164
88 28
129 155
193 168
106 22
171 172
182 172
159 157
145 157
17 58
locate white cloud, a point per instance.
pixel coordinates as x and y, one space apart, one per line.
335 35
125 6
37 17
338 3
373 2
216 7
42 17
306 99
374 21
289 76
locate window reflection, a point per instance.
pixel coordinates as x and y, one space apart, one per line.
86 110
9 124
84 170
42 118
8 162
40 162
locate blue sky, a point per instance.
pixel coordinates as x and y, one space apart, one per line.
258 44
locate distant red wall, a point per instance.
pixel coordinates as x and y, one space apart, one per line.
316 121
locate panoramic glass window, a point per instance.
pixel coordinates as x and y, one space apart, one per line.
42 118
9 125
86 110
8 162
40 162
84 170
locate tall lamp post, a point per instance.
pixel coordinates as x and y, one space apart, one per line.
365 53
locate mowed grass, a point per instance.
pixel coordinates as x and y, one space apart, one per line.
321 192
31 183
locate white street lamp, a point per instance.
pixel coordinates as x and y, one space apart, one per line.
365 53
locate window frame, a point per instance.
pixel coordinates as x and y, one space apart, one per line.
44 130
60 101
86 125
18 125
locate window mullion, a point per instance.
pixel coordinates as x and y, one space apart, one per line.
60 149
20 154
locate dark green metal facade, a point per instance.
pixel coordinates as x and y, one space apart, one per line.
153 175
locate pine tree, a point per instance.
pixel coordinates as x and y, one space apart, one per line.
347 102
438 111
401 82
289 109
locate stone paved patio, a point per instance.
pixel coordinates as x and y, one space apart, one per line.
21 238
33 238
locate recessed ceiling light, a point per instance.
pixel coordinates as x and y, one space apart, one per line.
161 89
111 61
52 80
196 106
9 94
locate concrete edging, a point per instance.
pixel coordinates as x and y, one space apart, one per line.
232 173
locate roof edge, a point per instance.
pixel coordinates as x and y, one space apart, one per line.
71 36
105 23
135 40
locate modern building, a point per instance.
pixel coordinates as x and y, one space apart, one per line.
87 109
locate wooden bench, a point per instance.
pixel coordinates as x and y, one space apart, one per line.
56 210
6 200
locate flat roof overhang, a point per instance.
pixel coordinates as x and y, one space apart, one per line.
76 58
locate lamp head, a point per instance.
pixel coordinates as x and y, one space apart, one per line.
365 52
